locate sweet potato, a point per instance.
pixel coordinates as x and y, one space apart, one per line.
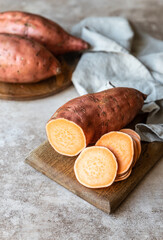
41 29
23 60
121 145
96 167
83 120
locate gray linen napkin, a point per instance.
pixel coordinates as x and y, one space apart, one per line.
110 63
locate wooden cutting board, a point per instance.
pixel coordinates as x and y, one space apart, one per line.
50 86
60 169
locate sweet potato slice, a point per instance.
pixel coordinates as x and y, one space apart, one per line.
136 153
130 132
96 167
136 137
125 176
121 144
138 146
65 136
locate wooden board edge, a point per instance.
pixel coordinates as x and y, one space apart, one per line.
40 96
104 206
134 185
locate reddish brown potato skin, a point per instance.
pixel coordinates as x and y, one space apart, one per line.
102 112
24 60
43 30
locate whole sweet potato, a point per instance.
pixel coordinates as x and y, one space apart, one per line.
24 60
41 29
83 120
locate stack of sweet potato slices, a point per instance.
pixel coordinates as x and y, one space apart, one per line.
110 160
126 146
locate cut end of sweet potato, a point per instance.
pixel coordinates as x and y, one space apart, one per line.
65 136
96 167
122 147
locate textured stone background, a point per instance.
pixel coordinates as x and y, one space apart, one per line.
32 207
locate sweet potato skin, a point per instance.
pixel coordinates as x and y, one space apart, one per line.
24 61
41 29
102 112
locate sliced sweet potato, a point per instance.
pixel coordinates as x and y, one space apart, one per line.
70 137
135 152
96 167
125 176
94 114
121 144
138 144
136 137
130 132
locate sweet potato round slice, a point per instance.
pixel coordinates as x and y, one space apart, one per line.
96 167
135 136
138 144
126 175
121 144
130 132
136 152
66 137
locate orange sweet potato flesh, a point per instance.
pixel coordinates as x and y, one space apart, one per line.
121 146
96 167
66 137
137 151
41 29
131 132
135 136
94 114
25 61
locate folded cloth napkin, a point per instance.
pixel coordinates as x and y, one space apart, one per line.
118 58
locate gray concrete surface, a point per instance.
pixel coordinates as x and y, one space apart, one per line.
32 207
